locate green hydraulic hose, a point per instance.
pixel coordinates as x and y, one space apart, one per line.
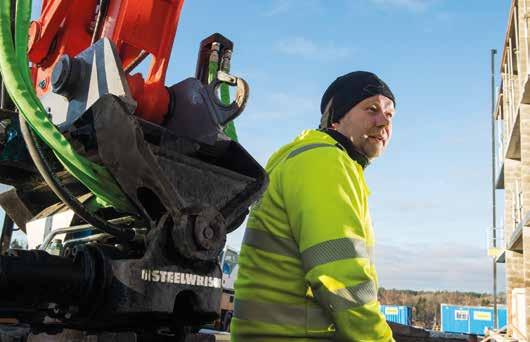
22 17
14 69
230 128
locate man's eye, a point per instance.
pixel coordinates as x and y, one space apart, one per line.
373 108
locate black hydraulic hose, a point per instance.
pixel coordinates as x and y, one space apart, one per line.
139 59
62 192
103 7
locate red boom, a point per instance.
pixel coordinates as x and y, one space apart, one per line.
138 28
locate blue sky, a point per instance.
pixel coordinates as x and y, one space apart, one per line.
431 193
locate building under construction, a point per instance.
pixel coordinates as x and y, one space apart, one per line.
511 238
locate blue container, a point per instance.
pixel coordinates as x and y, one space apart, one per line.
470 319
397 314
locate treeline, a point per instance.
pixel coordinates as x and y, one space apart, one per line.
426 304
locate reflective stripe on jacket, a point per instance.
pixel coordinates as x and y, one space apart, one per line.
306 267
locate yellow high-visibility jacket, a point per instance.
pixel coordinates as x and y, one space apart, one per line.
306 268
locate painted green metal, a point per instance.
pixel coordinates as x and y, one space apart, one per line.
224 90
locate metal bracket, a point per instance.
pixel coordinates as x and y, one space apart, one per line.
226 113
84 79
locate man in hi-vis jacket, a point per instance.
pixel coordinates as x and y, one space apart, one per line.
306 269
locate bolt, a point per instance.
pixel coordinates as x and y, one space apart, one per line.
225 61
208 233
66 76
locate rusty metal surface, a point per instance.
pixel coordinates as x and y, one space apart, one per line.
17 173
15 208
31 195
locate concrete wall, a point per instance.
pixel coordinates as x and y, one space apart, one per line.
525 188
517 264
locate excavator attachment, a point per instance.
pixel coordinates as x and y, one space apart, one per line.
150 179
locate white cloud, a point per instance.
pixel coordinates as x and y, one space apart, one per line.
284 106
309 49
443 266
297 46
279 7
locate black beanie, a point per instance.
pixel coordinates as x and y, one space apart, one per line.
347 91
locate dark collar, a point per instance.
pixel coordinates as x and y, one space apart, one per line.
347 145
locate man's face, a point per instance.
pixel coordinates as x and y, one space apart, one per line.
368 125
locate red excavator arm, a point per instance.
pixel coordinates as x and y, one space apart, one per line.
138 28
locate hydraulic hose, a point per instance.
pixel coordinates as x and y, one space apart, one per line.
103 6
215 64
19 86
44 168
14 68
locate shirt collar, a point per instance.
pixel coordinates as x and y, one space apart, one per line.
347 145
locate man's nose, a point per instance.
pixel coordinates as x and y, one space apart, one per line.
382 120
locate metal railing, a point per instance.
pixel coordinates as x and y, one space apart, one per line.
495 238
517 204
516 68
511 83
508 103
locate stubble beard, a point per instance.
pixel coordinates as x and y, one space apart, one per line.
371 151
